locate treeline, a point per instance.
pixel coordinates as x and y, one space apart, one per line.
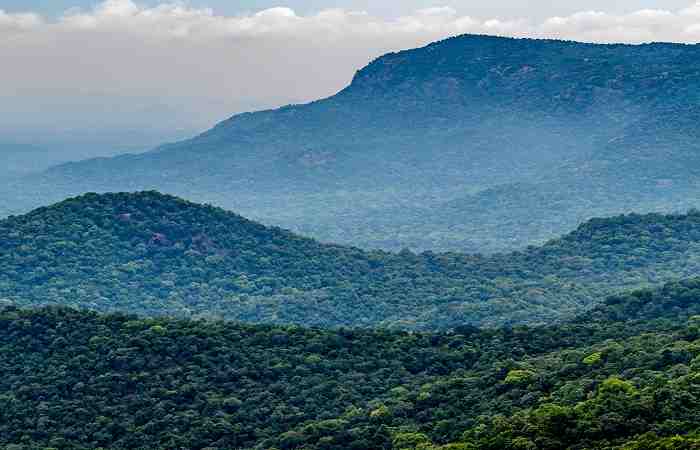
154 255
78 380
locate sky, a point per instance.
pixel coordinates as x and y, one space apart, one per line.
386 8
169 69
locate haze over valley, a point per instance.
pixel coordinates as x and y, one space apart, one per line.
474 144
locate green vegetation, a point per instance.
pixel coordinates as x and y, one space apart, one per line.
132 321
78 380
475 143
152 254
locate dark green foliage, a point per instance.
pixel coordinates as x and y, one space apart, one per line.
473 143
75 379
152 254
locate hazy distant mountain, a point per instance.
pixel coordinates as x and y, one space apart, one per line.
21 159
153 254
24 151
474 143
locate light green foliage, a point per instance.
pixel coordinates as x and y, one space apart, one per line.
653 442
410 441
519 377
593 358
615 385
380 412
158 329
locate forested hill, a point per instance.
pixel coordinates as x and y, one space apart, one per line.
610 380
472 143
154 254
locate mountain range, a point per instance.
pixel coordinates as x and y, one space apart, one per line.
155 255
509 269
474 143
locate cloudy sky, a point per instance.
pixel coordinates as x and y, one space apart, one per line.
181 66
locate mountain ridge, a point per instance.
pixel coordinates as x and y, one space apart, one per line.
422 127
159 255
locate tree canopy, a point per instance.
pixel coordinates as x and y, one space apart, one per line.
153 254
81 380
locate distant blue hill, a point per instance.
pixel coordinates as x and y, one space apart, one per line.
473 143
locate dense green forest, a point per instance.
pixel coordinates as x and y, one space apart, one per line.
470 301
625 376
474 143
153 254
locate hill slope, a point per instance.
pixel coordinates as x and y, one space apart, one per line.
154 254
78 380
465 122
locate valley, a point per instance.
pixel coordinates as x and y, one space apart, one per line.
485 243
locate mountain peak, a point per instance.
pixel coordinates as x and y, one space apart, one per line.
434 141
478 64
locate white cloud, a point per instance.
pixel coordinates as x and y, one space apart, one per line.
207 64
178 20
18 22
692 11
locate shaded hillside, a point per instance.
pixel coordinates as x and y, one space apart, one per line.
373 165
153 254
78 380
